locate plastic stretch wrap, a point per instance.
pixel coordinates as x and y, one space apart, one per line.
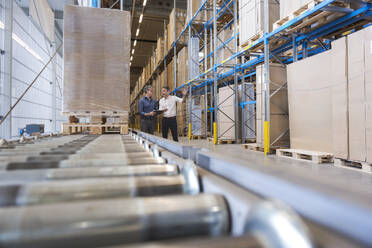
96 60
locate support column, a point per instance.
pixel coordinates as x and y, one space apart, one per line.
206 78
175 48
266 80
6 96
215 97
304 49
211 90
54 90
294 47
236 97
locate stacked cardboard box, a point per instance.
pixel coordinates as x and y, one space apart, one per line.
192 7
226 50
96 60
197 118
226 126
251 18
170 75
288 6
339 108
182 67
177 20
159 50
279 124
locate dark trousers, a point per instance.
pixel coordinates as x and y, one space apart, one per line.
171 123
148 126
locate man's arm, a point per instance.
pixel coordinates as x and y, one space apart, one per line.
184 94
140 108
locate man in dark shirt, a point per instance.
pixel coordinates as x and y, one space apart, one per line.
146 110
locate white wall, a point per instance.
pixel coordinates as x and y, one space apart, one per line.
31 51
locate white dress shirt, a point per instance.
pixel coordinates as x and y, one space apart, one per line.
169 104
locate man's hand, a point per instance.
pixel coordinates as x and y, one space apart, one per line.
184 91
150 114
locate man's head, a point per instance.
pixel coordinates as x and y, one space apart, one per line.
165 91
148 91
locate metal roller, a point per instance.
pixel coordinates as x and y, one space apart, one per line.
85 189
225 242
20 176
58 157
113 222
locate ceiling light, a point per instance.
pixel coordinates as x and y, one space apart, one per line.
130 63
137 32
135 43
144 2
131 58
140 20
133 51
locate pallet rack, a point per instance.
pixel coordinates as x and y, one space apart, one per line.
291 40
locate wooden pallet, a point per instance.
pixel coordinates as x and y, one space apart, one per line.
252 40
97 113
314 20
197 137
222 141
248 141
93 128
353 165
305 155
257 148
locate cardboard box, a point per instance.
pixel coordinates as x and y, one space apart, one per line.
288 6
310 103
179 23
96 60
368 89
182 67
226 50
339 82
251 18
226 114
192 7
159 50
357 110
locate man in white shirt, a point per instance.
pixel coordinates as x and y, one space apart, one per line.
168 105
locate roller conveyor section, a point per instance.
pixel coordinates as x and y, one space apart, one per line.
115 190
87 151
108 222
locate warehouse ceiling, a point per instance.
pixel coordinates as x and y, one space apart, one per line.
156 14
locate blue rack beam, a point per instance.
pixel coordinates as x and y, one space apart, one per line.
322 31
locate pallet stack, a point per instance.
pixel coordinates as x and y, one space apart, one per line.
96 78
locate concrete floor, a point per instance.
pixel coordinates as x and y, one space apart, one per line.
350 185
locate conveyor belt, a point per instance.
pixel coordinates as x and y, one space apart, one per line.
99 191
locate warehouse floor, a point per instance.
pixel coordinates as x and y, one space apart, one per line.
345 183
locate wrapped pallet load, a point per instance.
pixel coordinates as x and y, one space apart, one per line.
251 18
96 60
330 110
